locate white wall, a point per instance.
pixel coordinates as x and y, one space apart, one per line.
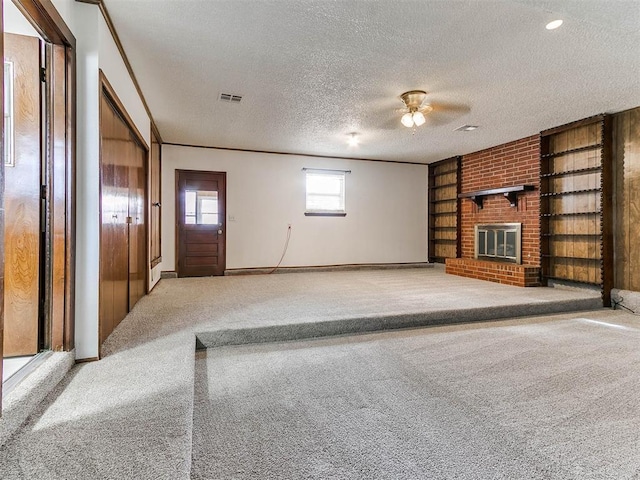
15 22
386 207
82 19
95 49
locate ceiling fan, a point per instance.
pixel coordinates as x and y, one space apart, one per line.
415 108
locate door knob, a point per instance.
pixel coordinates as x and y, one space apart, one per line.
220 232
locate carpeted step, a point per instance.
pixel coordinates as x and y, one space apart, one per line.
375 323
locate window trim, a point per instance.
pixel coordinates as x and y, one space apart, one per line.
324 214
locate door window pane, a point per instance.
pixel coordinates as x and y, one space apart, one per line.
190 207
201 207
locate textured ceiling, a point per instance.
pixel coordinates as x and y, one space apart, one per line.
311 72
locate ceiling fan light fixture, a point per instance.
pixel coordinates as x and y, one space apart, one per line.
407 120
413 98
418 118
413 102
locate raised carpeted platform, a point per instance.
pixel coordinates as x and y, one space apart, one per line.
540 398
130 414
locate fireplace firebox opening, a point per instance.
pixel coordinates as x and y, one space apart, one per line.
499 242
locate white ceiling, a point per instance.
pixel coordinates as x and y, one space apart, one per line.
312 71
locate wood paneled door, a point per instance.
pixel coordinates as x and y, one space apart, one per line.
200 222
23 203
123 198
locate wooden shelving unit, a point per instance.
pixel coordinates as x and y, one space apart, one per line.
444 210
575 203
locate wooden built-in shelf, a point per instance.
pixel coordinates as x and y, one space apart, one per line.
573 150
579 171
444 209
568 214
447 172
570 192
440 214
576 175
451 229
579 235
584 282
510 193
446 185
566 257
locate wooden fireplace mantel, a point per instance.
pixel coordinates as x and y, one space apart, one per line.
510 193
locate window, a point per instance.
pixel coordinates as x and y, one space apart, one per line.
325 192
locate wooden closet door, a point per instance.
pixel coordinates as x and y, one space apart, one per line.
108 145
123 247
137 237
114 238
121 254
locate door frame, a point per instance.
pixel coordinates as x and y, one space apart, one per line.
47 21
177 209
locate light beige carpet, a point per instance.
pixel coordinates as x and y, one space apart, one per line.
129 416
538 399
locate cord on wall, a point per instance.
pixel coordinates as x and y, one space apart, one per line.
284 252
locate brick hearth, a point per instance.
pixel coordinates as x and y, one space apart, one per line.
505 273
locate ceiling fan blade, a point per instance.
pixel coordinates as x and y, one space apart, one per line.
445 113
450 108
391 124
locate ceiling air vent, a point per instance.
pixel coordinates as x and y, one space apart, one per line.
229 98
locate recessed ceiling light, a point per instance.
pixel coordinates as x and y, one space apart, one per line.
353 140
553 25
466 128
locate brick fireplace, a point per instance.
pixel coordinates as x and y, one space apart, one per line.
513 170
